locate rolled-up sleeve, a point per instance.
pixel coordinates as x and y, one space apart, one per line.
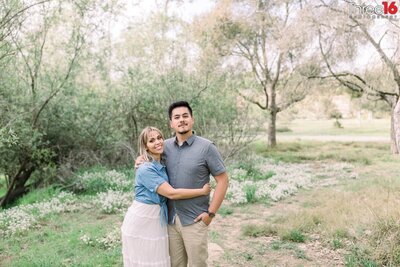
149 178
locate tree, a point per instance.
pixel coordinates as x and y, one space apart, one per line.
42 69
267 42
339 44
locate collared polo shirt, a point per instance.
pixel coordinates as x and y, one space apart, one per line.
190 166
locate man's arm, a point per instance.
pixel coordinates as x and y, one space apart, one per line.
219 195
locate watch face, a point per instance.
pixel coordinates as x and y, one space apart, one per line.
211 214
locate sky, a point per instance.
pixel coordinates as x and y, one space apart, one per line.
136 10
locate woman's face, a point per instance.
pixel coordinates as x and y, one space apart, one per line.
155 143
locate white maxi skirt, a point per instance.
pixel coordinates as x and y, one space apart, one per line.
144 239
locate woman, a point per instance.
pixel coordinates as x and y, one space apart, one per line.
144 230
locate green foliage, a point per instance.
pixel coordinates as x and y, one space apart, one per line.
359 257
254 230
252 172
99 179
385 241
279 245
294 235
61 241
38 195
250 191
214 236
283 130
317 151
225 211
337 243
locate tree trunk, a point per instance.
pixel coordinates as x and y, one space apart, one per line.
395 128
17 186
272 128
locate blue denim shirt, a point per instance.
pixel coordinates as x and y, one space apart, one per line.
149 176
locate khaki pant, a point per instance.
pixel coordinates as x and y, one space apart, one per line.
188 244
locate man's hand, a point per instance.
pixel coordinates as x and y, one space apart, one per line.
204 217
139 160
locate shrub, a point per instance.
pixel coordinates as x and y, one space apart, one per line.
102 181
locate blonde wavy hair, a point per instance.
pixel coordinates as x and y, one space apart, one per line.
143 139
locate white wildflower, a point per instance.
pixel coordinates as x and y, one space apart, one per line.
113 201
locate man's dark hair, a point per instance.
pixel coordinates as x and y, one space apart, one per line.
177 105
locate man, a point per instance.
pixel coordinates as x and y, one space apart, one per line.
190 160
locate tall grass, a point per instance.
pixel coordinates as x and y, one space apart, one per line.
363 211
304 151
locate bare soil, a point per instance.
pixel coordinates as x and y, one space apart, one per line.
229 247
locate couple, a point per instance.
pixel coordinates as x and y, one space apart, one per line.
157 232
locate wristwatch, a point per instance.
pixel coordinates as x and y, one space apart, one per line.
211 214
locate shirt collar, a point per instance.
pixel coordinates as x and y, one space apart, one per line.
189 141
158 165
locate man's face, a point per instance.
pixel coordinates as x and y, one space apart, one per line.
181 120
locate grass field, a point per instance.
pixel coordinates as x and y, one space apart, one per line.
373 127
344 214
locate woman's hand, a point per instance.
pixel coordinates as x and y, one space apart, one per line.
206 189
139 160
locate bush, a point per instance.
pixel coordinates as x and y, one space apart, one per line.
102 181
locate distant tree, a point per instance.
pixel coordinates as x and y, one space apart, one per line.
265 43
342 36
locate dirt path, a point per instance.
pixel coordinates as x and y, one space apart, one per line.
229 247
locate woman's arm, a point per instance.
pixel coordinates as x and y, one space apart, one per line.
166 190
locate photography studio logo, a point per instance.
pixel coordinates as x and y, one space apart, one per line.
385 10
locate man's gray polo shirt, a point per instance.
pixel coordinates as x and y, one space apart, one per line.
190 166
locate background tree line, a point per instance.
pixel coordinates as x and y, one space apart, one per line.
71 95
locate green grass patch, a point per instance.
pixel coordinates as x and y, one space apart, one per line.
252 172
360 257
283 130
225 211
281 245
38 195
303 151
214 236
253 230
337 243
250 191
374 127
58 242
294 235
